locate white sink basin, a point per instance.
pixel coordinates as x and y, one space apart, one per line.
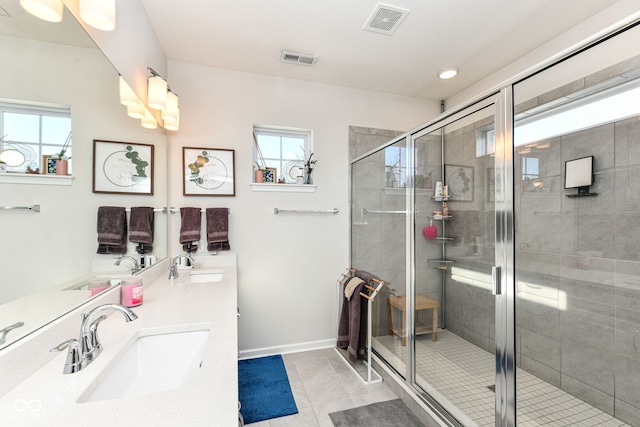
206 276
153 363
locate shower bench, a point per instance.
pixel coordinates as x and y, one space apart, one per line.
422 303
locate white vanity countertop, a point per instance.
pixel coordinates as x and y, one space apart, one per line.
50 398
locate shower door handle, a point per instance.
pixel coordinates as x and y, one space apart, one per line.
497 280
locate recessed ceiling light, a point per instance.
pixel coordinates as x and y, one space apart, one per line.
447 73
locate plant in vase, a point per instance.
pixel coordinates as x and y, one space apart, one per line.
308 169
260 170
61 158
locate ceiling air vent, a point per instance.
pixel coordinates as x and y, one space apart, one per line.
385 19
298 58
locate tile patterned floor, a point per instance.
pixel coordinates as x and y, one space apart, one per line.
460 373
322 383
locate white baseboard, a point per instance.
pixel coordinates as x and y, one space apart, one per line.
289 348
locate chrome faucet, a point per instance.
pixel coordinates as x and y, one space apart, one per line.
84 351
136 266
5 331
173 271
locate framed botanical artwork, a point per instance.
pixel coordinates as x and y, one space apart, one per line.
270 175
208 172
460 182
48 164
122 167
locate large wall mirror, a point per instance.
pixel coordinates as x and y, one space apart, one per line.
44 254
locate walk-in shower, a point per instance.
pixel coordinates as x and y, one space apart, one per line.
535 292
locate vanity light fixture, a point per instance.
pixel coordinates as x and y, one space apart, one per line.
448 73
100 14
48 10
127 95
175 125
170 113
148 121
156 91
136 111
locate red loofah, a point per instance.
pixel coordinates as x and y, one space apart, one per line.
430 232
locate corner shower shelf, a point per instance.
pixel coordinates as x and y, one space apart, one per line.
442 218
441 198
440 264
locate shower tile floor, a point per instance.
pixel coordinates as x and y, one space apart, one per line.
462 374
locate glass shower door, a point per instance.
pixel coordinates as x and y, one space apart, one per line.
454 254
378 237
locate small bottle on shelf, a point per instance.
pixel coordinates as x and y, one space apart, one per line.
445 209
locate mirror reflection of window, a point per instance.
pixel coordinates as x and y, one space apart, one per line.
34 131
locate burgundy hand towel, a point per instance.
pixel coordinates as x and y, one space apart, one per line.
141 228
190 228
217 229
112 230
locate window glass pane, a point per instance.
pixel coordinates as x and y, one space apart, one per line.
55 130
269 145
21 127
292 148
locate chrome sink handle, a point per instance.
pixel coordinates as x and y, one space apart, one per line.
74 361
135 268
5 331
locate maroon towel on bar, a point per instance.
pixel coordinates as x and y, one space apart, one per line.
352 329
217 229
141 228
112 230
190 228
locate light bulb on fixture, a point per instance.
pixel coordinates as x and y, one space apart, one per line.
148 121
127 95
157 92
447 73
136 111
175 125
48 10
100 14
170 113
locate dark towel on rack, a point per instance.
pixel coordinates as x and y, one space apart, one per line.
217 229
352 329
190 228
141 228
112 230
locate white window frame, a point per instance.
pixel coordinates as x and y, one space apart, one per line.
48 111
305 134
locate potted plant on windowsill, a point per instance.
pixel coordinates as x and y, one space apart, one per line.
260 170
61 158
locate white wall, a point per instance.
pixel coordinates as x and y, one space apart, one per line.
45 249
288 263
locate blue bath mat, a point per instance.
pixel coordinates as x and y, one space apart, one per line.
264 389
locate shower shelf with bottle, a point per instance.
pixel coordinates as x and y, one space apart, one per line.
444 215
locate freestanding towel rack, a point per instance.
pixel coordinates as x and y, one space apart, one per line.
371 296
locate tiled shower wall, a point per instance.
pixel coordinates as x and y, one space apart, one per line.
578 266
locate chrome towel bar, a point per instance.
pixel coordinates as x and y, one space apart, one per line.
34 208
276 211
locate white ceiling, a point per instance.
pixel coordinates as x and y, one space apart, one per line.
477 36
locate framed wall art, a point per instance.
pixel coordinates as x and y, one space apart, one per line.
122 167
208 172
270 175
48 164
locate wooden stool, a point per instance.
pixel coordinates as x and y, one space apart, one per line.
422 303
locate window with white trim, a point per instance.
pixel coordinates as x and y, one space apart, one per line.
35 131
284 150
